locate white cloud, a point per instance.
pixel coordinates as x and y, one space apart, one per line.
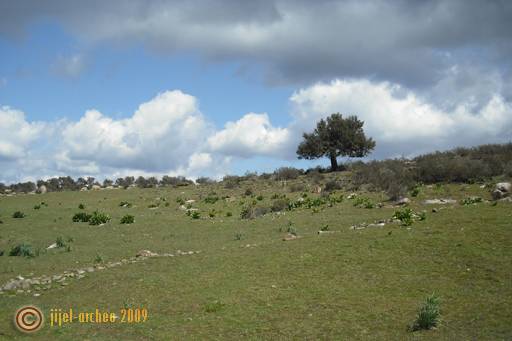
250 136
402 122
16 134
160 136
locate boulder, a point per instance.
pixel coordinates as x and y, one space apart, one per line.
191 201
403 201
504 187
96 187
83 189
497 194
42 189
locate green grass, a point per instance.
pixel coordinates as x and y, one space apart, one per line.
353 284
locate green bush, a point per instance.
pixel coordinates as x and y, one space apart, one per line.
229 214
60 242
238 236
279 205
98 258
211 199
22 250
36 207
196 215
251 212
259 197
470 201
405 216
81 206
363 202
18 215
428 315
98 218
81 217
127 219
213 307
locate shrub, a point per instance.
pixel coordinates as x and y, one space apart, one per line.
229 214
415 191
213 307
153 205
81 206
81 217
98 258
251 212
470 201
18 215
394 177
196 215
428 315
22 250
297 187
279 205
238 236
287 173
405 216
127 219
324 228
60 242
259 197
1 253
180 201
248 192
332 185
231 181
98 218
211 199
36 207
204 180
211 214
363 202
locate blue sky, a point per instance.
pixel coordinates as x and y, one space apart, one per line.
117 88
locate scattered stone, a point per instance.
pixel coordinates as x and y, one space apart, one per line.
326 232
42 189
289 237
53 246
96 187
37 294
439 201
90 269
145 253
83 189
190 201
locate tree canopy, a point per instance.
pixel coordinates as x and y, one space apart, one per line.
336 136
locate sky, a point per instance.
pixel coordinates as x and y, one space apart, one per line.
208 88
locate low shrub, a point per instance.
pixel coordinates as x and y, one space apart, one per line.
279 205
332 185
99 258
81 206
211 199
18 215
259 197
229 214
214 306
248 192
287 173
22 250
299 187
251 212
428 315
127 219
405 216
363 202
98 218
470 201
81 217
195 215
36 207
238 236
60 242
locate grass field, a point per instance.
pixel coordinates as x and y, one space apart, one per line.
247 282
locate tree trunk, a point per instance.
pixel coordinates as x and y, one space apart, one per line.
334 162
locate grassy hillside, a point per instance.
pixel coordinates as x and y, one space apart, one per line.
353 283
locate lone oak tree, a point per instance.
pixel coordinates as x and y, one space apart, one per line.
336 136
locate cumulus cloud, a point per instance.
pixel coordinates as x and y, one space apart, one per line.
16 134
401 121
250 136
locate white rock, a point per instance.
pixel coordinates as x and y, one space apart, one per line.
505 187
53 246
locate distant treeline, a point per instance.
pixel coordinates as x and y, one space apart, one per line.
395 176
